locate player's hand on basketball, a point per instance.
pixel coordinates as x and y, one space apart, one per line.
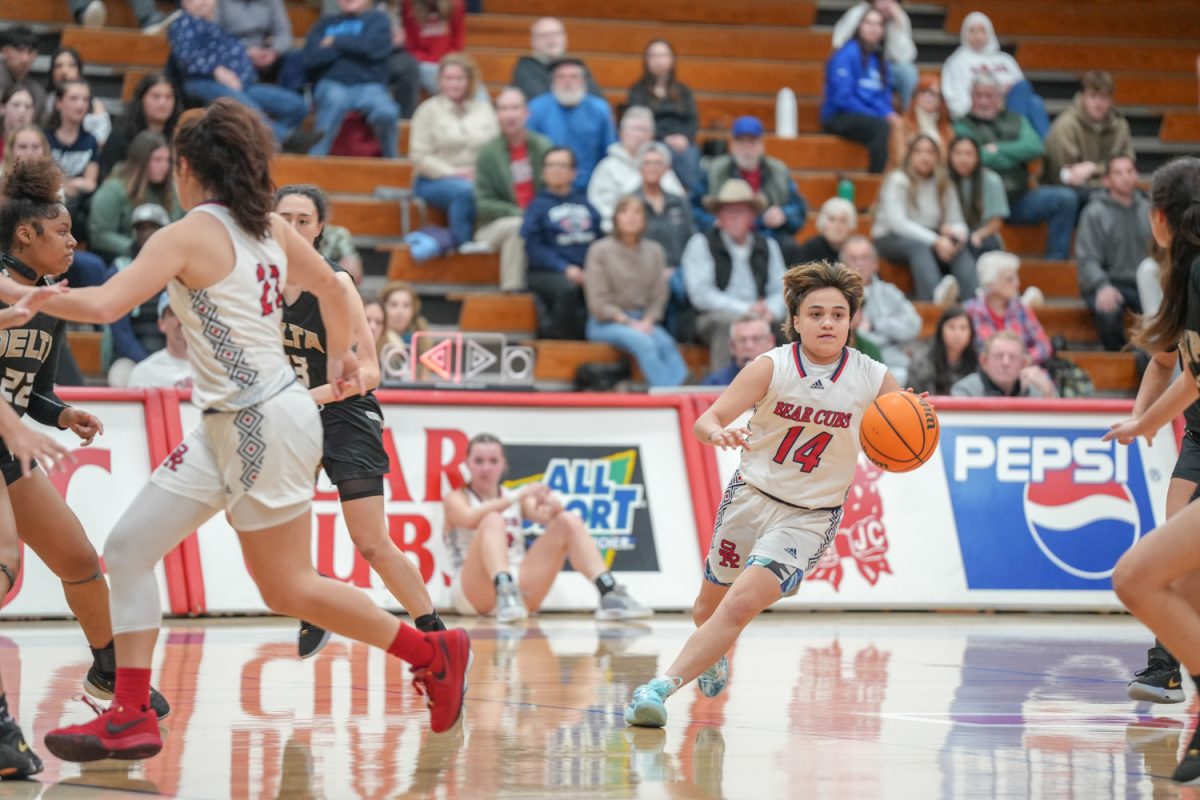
84 425
911 390
27 446
729 438
538 491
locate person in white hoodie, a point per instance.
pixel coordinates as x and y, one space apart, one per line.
898 46
619 173
980 54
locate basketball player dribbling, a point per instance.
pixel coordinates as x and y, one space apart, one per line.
1158 580
353 454
781 508
225 265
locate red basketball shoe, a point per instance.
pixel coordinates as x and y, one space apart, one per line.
441 681
120 732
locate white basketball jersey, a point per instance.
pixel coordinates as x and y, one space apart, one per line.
458 540
232 327
804 432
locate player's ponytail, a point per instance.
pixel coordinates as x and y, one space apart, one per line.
1174 192
800 280
32 191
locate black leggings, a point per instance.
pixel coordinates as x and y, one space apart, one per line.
871 132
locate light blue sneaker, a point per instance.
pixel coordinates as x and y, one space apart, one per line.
647 709
712 680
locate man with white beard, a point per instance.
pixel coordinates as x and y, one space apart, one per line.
746 159
570 117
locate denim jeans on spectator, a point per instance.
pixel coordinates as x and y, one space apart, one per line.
1054 205
455 196
687 168
656 353
871 132
334 100
904 80
1024 101
283 110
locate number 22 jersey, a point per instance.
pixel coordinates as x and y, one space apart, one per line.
804 431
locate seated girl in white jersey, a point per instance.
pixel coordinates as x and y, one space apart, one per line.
259 441
485 539
353 454
782 506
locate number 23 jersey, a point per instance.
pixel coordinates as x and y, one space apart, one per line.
804 432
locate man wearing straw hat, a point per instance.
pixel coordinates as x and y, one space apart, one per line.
731 270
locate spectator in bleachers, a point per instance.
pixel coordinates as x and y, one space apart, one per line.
1007 143
886 317
404 71
668 216
1000 307
619 174
836 221
346 54
1005 371
926 114
749 337
27 141
215 64
432 30
858 91
144 177
402 313
980 55
1085 136
560 225
625 284
265 30
532 73
947 357
75 150
731 270
18 49
676 120
169 367
980 194
508 175
337 245
138 334
1113 239
153 107
918 223
746 160
899 48
376 320
93 14
570 117
16 106
67 65
448 132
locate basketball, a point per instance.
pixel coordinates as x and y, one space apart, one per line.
899 431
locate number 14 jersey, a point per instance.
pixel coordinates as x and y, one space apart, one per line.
804 432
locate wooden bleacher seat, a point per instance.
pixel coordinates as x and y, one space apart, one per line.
118 46
557 360
477 269
1074 321
502 313
86 347
1078 55
1056 279
340 175
1078 20
1180 126
792 13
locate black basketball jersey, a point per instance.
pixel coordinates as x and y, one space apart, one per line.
304 337
29 364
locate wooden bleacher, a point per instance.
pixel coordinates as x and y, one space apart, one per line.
734 69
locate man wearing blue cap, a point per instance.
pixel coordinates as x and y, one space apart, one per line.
167 368
786 209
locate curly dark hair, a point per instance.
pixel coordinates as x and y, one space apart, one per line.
229 150
800 280
31 192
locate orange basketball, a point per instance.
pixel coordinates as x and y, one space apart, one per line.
899 431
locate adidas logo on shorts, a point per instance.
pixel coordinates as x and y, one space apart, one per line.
791 551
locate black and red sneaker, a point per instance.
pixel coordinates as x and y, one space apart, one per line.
119 732
441 681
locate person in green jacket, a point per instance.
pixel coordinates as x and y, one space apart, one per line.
144 177
508 175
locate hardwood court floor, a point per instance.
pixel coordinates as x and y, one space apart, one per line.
819 705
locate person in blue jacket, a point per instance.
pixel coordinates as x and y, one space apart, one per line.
570 117
560 225
858 91
346 55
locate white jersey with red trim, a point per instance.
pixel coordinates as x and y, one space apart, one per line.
232 326
804 432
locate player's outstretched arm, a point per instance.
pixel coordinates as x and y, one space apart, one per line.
748 387
888 385
364 348
1182 393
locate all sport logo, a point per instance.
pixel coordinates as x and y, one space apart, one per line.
604 486
1044 508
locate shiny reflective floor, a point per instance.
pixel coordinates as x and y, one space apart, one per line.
819 705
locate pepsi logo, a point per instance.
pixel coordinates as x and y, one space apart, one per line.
1082 529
